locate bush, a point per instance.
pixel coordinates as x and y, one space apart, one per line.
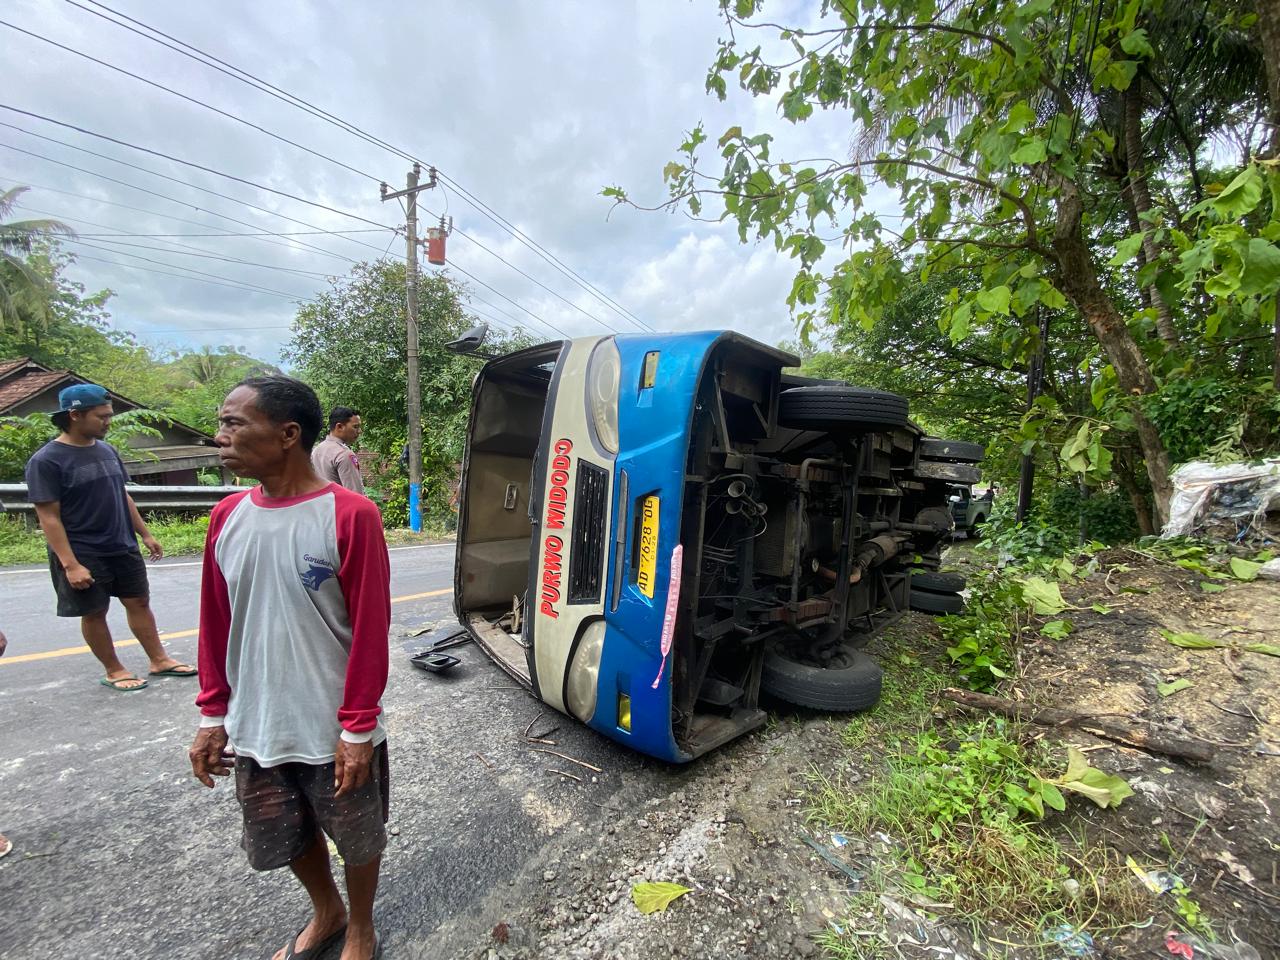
1032 539
20 545
1107 514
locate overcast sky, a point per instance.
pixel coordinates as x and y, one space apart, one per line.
530 107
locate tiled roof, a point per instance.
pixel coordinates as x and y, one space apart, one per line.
8 366
22 385
22 388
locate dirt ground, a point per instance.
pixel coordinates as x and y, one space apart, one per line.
1213 824
734 829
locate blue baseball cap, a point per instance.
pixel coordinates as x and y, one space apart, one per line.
82 396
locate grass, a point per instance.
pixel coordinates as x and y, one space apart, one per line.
19 545
180 536
958 798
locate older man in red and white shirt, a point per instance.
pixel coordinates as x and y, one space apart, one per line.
294 613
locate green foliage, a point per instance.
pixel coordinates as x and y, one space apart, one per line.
197 383
20 545
1104 789
1105 514
349 344
20 437
179 535
1043 596
655 897
983 779
1042 177
24 292
964 391
1190 412
964 805
1189 909
980 640
1031 540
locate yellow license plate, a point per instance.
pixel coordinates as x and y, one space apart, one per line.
648 567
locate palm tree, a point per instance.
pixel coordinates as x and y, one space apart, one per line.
22 290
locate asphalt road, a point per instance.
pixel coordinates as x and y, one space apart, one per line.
119 852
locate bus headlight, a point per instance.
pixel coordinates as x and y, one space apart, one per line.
584 672
604 373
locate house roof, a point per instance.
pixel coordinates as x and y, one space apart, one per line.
23 379
9 366
18 390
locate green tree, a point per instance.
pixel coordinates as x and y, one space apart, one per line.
350 345
23 291
196 383
990 121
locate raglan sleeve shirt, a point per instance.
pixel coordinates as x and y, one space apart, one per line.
215 625
365 578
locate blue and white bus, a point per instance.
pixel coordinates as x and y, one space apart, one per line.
654 529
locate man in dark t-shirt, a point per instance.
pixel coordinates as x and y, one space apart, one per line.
77 483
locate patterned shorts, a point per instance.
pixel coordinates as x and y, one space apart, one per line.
284 807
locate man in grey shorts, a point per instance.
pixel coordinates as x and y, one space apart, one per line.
295 606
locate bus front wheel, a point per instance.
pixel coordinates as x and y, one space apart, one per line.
848 680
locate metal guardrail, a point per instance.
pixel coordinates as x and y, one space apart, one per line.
13 497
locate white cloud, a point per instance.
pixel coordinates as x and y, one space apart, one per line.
532 108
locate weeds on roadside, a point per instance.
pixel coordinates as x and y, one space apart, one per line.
907 695
20 545
964 806
180 536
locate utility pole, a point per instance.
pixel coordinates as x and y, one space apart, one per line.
413 388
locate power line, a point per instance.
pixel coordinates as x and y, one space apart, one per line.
177 266
164 176
119 238
589 316
545 254
207 256
545 323
263 235
236 73
190 99
159 236
243 76
192 164
182 276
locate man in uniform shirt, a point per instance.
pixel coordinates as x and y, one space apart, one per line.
77 484
333 458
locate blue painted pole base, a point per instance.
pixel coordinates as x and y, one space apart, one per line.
415 507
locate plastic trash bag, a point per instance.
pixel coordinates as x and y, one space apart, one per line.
1235 494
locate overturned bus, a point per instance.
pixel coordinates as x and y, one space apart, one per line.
655 529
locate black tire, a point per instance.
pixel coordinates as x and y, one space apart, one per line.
975 528
841 409
851 682
926 601
937 582
956 451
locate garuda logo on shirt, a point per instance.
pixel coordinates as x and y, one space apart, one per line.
318 571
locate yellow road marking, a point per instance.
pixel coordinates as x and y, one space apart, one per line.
132 642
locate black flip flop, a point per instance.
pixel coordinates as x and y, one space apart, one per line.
313 952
